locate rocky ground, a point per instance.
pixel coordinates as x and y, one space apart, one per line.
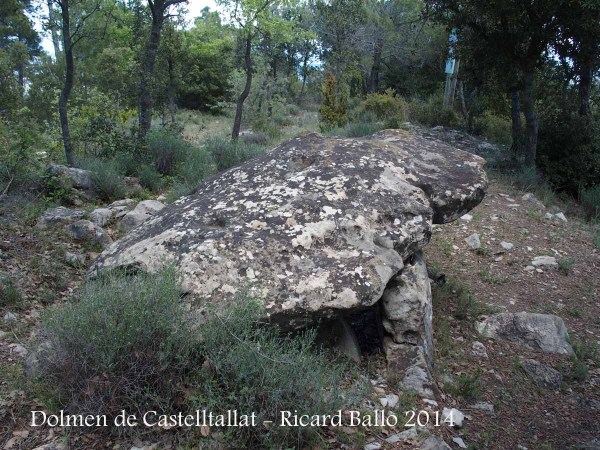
512 396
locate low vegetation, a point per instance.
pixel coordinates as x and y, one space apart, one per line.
128 343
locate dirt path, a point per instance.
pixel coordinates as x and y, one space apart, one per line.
525 414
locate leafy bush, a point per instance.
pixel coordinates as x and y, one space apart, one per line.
254 138
198 165
227 153
9 294
19 142
107 178
167 150
256 368
565 265
150 178
125 345
432 113
497 129
466 386
386 107
590 200
569 150
267 126
57 188
127 163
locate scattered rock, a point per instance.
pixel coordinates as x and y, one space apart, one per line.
466 217
80 178
483 406
373 446
434 443
408 435
542 374
149 207
458 441
86 231
544 260
10 317
133 219
506 245
392 400
2 334
479 350
101 216
453 417
142 212
18 349
539 331
560 216
533 200
126 202
74 259
473 241
51 446
59 216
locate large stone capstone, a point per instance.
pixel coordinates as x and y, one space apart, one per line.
315 227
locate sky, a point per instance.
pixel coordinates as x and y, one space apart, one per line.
194 7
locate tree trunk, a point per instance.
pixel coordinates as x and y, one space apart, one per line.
517 127
145 100
376 67
68 84
171 92
53 32
463 103
237 123
585 88
531 121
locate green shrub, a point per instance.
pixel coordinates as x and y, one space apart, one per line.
150 179
590 200
568 151
466 386
107 178
334 109
268 126
9 294
386 107
198 165
227 153
497 129
57 188
125 345
19 142
432 113
256 368
128 164
565 265
167 150
527 178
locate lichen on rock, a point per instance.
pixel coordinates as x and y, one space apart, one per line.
316 227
